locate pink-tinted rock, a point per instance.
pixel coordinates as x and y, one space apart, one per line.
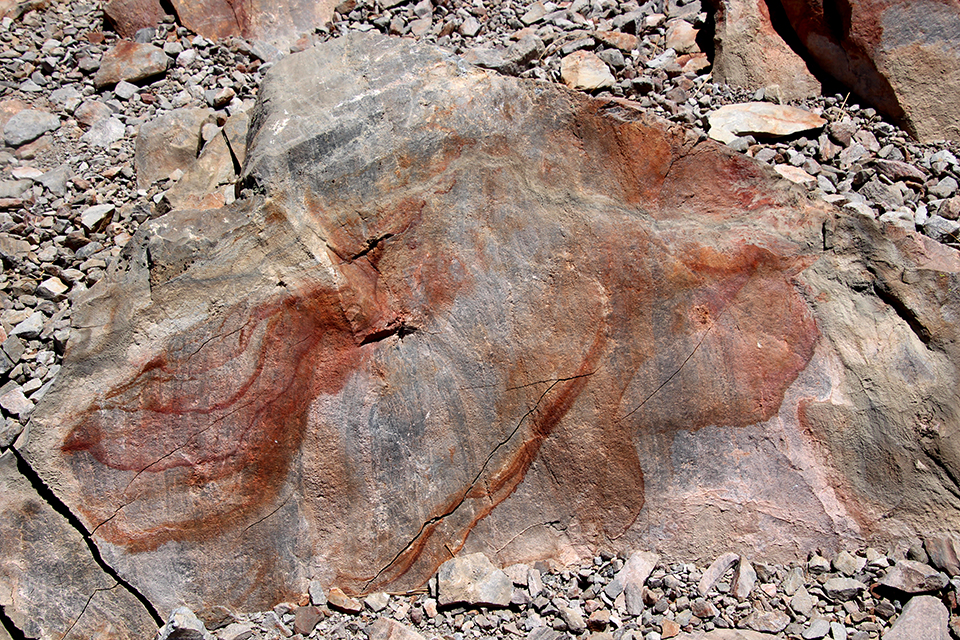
129 16
460 308
749 53
900 56
278 22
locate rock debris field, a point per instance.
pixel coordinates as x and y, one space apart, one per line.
102 134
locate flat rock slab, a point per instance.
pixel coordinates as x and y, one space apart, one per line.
461 308
760 119
584 70
726 634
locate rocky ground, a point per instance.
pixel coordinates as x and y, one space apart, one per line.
74 188
855 596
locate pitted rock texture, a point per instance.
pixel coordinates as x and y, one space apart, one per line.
901 56
462 312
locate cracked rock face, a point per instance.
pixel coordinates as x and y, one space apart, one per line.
464 312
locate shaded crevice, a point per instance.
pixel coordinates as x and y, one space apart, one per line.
905 313
48 496
15 632
401 330
466 492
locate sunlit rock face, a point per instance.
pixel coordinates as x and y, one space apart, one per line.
463 312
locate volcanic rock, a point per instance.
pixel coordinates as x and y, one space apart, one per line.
458 312
900 56
28 125
751 54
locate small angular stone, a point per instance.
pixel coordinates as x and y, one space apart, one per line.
744 579
130 61
387 629
337 599
473 580
584 70
843 588
944 552
28 125
715 572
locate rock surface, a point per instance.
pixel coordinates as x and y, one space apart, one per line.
900 56
750 54
316 350
279 24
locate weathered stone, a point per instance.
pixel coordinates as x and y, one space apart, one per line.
458 306
278 23
901 56
913 577
573 617
751 54
817 629
923 618
681 36
631 578
340 601
796 175
584 70
842 588
744 579
768 621
715 572
29 328
377 601
130 61
623 41
28 125
183 625
944 552
802 602
305 619
726 634
473 579
50 585
97 217
214 167
387 629
168 143
760 119
129 16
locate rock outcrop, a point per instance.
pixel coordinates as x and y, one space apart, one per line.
901 56
462 312
749 53
277 23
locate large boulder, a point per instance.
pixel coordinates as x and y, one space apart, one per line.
749 53
900 56
277 22
458 312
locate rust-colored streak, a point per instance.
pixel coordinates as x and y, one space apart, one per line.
229 411
496 483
